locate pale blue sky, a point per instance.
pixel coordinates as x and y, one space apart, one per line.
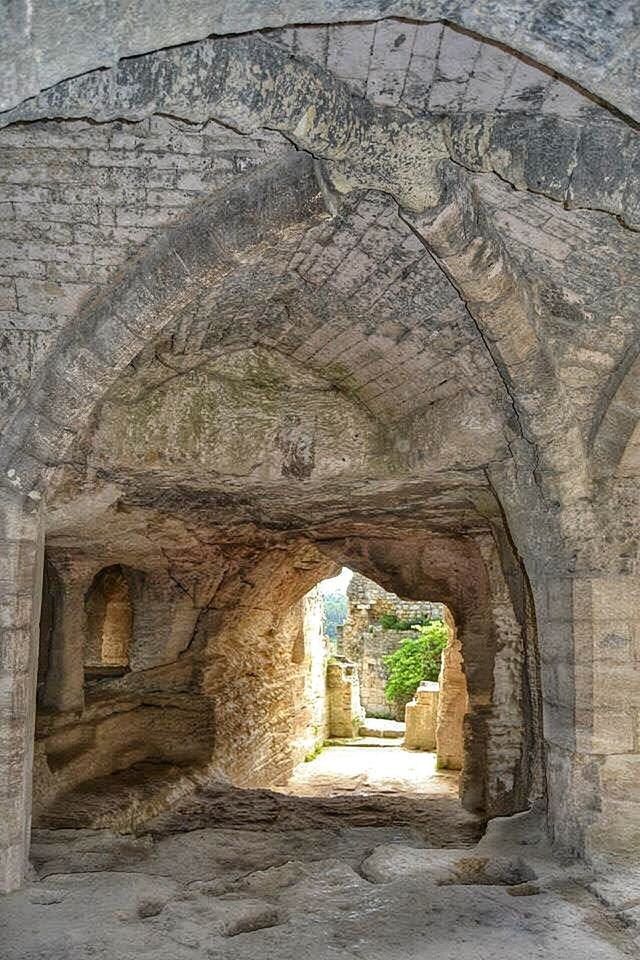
337 584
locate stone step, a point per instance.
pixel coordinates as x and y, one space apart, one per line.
364 742
375 727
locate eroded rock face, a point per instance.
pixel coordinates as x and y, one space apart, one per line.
273 302
247 699
453 702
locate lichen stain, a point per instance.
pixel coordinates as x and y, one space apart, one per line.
297 443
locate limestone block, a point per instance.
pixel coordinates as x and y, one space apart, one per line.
343 692
421 716
390 862
616 830
452 704
620 778
613 732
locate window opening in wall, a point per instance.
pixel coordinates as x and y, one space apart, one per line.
109 613
334 606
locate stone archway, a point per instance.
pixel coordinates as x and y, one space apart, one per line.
502 736
531 492
88 358
525 30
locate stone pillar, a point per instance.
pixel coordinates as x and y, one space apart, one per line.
452 703
554 615
589 649
606 627
21 564
315 665
343 691
420 718
64 685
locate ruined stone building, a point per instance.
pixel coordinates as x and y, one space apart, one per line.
365 640
289 285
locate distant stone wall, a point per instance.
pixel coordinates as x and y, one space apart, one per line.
365 642
378 643
365 595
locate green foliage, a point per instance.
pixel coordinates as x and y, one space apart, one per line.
317 750
416 659
389 621
335 613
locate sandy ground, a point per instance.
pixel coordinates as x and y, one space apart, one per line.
375 766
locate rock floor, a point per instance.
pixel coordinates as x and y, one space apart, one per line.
356 872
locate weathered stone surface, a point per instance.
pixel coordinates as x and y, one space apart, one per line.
453 702
444 867
38 59
344 702
420 717
276 890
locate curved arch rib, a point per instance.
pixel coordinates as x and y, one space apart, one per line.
190 258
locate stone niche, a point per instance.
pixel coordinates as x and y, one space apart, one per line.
109 622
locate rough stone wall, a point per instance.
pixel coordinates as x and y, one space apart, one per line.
21 576
77 201
615 643
599 614
501 765
253 732
421 715
312 653
373 600
430 67
506 718
375 644
88 728
453 702
37 52
364 641
262 658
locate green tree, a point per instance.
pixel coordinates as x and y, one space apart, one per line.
416 659
335 613
389 621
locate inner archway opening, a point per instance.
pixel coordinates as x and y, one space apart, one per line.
395 694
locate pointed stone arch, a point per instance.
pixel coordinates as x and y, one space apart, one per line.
88 357
617 429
